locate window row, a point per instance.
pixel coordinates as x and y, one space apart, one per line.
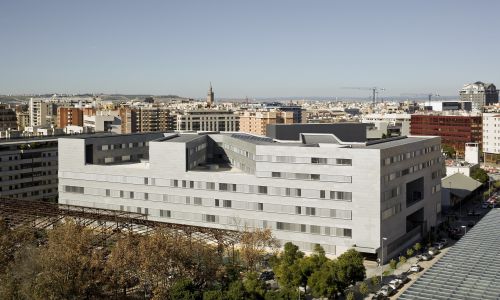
305 160
410 170
123 146
213 186
314 229
409 155
306 176
391 211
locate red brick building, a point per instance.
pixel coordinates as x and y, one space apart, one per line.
454 131
67 116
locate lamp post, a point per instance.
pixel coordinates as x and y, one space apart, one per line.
382 259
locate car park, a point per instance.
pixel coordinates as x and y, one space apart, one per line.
415 268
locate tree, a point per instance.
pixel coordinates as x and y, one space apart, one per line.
287 269
70 265
410 252
375 280
479 175
351 268
236 291
417 247
402 259
213 295
449 151
254 287
363 289
254 244
350 296
393 264
183 289
122 264
324 282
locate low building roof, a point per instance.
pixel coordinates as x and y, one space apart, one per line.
470 269
461 184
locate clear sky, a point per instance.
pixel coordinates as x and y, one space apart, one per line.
252 48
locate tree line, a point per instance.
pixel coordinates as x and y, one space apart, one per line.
70 261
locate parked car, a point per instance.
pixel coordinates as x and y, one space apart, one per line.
403 278
415 268
438 245
485 205
379 296
386 291
443 241
395 284
433 251
266 275
427 256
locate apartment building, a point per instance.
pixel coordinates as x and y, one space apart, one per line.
480 94
8 118
317 190
69 116
23 119
491 137
146 119
454 129
256 122
38 110
207 120
28 169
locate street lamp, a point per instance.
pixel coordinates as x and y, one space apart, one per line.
382 259
465 229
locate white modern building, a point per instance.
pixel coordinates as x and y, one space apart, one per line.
318 190
491 137
383 122
208 120
38 112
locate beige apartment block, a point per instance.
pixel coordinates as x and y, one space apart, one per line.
256 122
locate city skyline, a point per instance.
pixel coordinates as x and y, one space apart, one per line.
257 50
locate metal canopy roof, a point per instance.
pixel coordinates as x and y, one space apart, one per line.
470 269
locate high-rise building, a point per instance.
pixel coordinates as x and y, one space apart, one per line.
256 121
28 169
208 120
210 97
316 190
69 116
8 118
480 94
455 130
38 112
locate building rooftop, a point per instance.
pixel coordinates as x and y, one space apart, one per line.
470 269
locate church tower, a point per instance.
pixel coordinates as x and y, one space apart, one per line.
210 97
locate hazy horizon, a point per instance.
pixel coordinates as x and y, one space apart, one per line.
247 49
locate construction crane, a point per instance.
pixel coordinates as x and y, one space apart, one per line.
374 90
428 95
